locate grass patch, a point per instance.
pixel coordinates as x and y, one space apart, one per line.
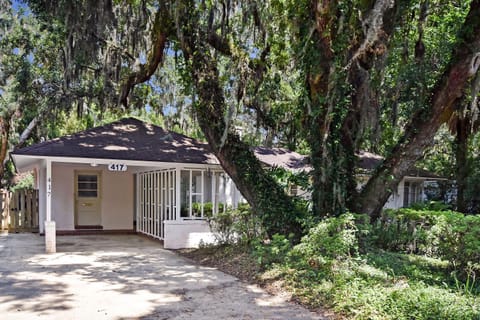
231 259
382 285
340 265
377 285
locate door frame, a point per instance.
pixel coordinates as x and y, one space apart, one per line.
98 173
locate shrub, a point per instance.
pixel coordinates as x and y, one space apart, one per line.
444 234
272 251
460 242
359 289
235 225
408 230
26 182
332 238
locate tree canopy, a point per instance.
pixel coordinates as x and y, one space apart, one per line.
326 78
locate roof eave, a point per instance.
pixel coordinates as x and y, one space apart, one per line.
22 161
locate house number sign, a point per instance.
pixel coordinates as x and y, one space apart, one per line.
117 167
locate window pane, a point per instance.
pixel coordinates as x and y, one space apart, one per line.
197 205
87 178
87 186
87 194
184 193
196 182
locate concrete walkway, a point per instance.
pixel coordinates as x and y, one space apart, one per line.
122 277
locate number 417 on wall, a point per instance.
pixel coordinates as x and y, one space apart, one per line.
117 167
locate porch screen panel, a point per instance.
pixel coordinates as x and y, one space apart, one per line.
149 201
143 201
157 201
202 193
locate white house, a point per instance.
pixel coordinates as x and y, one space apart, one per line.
130 176
411 188
127 176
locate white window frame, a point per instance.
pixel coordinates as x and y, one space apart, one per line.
215 196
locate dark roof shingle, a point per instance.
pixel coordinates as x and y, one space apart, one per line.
279 157
125 139
368 162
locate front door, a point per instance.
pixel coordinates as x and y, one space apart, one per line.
87 199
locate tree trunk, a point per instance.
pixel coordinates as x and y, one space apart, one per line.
318 112
333 134
4 135
265 196
461 166
421 130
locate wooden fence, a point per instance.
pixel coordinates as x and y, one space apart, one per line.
19 210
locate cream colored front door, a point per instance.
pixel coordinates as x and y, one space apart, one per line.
87 199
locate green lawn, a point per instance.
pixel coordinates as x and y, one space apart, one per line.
382 285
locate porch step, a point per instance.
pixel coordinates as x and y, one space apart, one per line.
92 227
92 232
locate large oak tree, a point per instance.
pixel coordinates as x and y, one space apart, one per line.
232 55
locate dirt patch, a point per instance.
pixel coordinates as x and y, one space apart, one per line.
235 261
239 262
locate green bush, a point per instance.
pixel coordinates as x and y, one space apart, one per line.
27 182
408 230
459 240
238 225
271 251
444 234
332 238
383 286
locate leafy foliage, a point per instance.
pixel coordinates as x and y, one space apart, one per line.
327 269
271 251
448 235
238 225
331 238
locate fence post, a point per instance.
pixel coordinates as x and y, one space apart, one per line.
35 209
23 214
28 209
3 210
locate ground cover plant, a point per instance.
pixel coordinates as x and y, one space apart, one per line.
410 264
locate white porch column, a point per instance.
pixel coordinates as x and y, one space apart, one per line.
177 194
50 232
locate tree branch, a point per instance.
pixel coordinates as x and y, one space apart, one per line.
421 130
114 46
159 36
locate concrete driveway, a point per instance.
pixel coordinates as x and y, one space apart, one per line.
122 277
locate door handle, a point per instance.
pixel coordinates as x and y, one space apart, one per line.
86 204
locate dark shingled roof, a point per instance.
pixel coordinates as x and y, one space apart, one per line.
125 139
132 139
279 157
369 161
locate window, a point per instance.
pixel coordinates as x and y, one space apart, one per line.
87 185
202 193
412 193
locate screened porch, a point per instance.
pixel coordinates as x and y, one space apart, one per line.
181 194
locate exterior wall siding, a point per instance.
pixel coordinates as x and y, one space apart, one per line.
116 194
187 234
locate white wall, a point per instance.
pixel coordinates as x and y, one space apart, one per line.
42 203
116 197
117 200
396 199
186 234
63 195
